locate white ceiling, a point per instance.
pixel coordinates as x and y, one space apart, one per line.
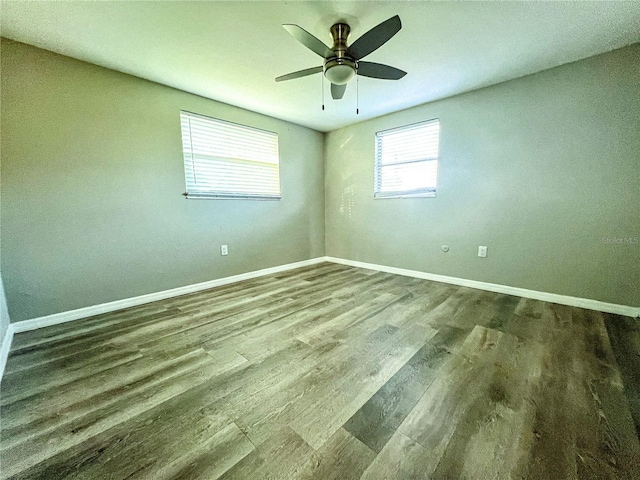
232 51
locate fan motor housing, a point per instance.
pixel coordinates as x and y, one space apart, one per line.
341 67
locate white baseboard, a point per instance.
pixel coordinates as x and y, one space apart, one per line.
493 287
4 348
63 317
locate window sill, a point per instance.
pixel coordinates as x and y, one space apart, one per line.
191 196
417 195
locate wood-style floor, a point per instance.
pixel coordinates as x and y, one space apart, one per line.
327 372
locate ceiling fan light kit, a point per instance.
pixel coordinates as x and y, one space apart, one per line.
340 70
342 62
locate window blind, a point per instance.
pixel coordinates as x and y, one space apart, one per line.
227 160
406 161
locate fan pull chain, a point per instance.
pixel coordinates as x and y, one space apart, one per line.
322 86
357 91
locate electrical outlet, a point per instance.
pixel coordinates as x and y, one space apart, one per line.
482 251
224 250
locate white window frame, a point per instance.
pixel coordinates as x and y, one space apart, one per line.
400 154
226 160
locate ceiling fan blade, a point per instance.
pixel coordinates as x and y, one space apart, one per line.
375 38
337 91
378 70
299 73
308 40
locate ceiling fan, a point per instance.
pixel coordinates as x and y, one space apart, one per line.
342 62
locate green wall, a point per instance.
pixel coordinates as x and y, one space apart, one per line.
544 170
92 183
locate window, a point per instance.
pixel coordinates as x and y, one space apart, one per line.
227 160
407 160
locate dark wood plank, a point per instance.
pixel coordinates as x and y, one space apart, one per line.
282 456
29 443
21 383
59 349
347 393
401 458
306 388
342 457
379 418
582 426
208 459
462 399
107 434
